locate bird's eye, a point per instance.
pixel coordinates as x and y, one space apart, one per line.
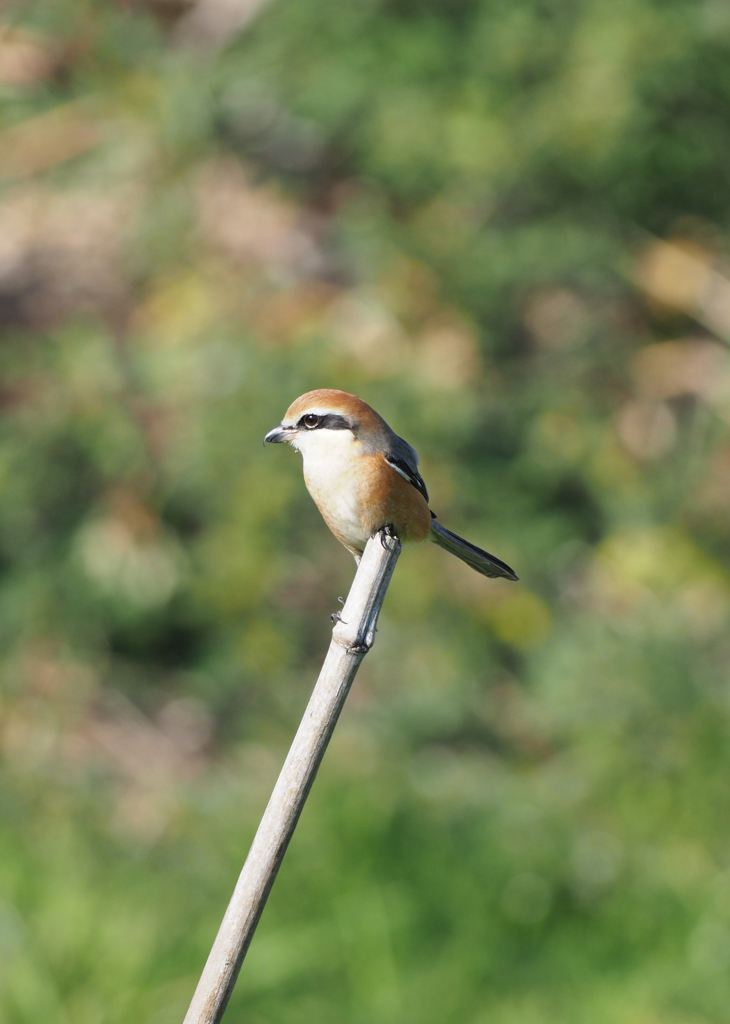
310 420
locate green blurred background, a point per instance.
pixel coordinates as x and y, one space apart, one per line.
504 225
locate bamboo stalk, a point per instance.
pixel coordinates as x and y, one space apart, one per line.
352 637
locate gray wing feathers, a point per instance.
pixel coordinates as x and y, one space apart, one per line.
404 460
482 561
403 452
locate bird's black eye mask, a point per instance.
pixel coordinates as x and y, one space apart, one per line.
325 421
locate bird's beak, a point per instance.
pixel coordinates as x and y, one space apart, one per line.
279 434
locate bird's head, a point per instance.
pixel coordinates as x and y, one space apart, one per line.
324 418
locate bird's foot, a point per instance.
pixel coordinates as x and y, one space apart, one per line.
387 531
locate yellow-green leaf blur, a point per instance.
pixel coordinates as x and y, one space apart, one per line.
507 228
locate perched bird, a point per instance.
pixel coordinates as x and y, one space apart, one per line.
365 478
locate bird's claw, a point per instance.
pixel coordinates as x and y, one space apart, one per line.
387 531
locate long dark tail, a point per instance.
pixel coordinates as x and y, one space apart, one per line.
480 560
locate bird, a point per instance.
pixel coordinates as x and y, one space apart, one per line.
364 478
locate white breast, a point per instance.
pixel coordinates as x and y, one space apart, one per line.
331 475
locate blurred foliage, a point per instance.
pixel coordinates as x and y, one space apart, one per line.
506 227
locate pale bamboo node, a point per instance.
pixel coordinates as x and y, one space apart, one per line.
352 637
